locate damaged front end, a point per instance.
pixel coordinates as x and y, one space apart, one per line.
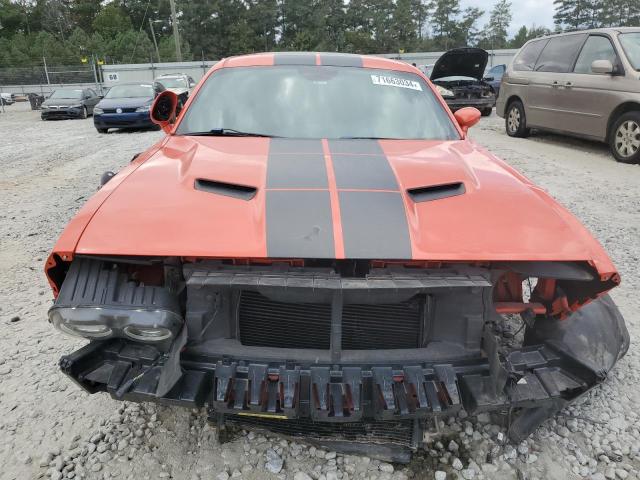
338 351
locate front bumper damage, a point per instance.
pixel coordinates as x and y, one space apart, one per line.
559 362
310 351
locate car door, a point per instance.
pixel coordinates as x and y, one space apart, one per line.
588 98
548 79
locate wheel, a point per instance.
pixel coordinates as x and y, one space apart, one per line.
84 114
485 112
624 140
515 120
102 130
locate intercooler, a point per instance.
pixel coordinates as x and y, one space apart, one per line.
267 323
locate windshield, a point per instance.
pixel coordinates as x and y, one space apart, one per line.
318 102
172 82
68 94
130 91
631 44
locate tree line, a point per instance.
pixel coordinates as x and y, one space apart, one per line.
118 31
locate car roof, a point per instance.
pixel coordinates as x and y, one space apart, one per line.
607 30
316 58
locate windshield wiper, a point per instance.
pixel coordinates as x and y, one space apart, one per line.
370 138
228 132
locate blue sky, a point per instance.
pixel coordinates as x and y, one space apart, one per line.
525 12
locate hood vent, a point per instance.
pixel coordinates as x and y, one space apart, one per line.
227 189
436 192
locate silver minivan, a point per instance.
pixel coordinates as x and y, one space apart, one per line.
583 83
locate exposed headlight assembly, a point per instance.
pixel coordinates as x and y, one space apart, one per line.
444 91
98 300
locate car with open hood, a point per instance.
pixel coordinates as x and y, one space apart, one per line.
458 74
126 105
316 247
69 103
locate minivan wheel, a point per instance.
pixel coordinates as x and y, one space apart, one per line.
625 138
515 120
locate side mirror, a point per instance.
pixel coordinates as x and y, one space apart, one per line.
467 117
602 66
163 110
488 79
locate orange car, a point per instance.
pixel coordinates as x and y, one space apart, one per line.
317 240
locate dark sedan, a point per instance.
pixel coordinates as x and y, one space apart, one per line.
126 106
69 103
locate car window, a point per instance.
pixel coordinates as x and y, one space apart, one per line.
173 82
559 54
304 101
528 56
631 44
595 48
69 94
92 93
498 70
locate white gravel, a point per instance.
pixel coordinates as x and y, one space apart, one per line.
49 428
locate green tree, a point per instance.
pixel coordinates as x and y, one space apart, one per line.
524 35
112 21
495 33
577 14
444 22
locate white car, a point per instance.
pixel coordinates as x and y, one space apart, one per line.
7 98
178 83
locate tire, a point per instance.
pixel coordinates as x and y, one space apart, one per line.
624 140
485 112
102 130
515 121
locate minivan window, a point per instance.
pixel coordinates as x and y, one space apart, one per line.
595 48
559 54
526 59
631 44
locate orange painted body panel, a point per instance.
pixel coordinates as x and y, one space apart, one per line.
151 207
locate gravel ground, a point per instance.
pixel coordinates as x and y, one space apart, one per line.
50 429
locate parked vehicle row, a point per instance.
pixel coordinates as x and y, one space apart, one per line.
584 83
125 105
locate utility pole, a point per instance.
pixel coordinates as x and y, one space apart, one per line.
155 42
46 72
176 35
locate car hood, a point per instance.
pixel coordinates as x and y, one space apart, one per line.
178 91
62 102
125 102
235 197
462 62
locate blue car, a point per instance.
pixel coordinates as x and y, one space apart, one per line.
494 77
126 106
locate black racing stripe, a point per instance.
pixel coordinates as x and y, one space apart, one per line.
369 172
304 170
374 225
340 60
294 58
302 145
299 224
360 147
